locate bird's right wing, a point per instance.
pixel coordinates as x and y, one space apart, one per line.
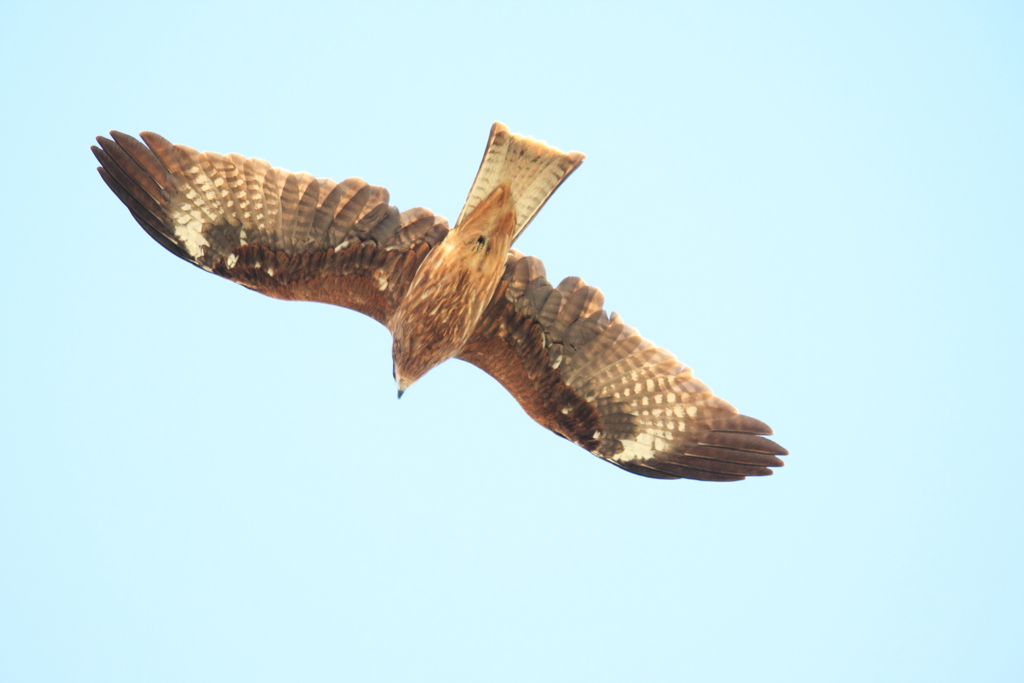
286 235
594 380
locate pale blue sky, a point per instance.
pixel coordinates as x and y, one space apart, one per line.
818 208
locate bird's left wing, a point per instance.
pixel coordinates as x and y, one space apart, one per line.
587 376
286 235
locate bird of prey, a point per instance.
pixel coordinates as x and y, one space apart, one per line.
446 293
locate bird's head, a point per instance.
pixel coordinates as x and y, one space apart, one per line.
413 357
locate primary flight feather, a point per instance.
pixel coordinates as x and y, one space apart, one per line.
446 293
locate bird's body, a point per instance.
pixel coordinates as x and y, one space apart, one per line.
460 293
453 285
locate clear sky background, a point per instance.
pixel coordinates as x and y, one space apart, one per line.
818 208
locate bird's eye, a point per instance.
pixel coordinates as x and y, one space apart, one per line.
481 240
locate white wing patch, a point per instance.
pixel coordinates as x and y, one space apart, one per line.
641 449
189 232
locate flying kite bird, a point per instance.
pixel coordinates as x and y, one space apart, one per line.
446 293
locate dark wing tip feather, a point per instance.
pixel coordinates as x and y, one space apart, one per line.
740 441
738 423
132 196
667 470
714 453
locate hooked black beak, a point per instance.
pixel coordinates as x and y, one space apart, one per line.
402 385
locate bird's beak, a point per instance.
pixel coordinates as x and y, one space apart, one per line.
403 384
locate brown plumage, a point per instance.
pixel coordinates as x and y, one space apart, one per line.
459 293
458 277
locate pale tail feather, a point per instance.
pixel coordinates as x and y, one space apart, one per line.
532 169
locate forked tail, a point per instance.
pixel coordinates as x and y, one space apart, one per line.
532 169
